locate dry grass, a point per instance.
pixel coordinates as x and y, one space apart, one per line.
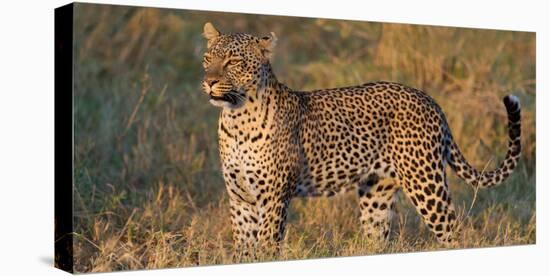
148 188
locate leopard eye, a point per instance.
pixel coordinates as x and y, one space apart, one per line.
206 59
234 61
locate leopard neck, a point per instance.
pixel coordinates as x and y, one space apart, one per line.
270 82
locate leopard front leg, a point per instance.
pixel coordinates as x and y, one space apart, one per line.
272 208
244 224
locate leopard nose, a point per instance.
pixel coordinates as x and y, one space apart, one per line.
211 82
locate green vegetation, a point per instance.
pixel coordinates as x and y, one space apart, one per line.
148 187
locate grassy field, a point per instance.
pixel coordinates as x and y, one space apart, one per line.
148 188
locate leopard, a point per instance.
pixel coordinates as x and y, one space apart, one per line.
375 139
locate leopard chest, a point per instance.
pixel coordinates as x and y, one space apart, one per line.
245 154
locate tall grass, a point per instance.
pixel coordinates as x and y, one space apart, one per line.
148 187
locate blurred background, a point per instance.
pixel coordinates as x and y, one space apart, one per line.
148 188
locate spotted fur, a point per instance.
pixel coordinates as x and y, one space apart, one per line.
276 143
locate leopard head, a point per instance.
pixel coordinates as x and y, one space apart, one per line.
235 66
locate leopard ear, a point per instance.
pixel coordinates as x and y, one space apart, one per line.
267 44
210 33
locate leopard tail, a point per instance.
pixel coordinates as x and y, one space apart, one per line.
493 177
